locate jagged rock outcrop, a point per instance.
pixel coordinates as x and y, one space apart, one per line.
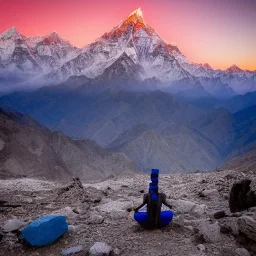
241 196
247 225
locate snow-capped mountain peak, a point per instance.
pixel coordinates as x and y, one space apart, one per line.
10 33
132 49
233 69
206 66
137 12
135 17
53 38
54 33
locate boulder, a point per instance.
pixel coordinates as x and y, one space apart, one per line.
229 225
247 226
251 199
13 224
219 214
242 252
45 230
100 249
210 193
95 219
67 212
209 232
183 206
201 247
241 196
116 252
117 215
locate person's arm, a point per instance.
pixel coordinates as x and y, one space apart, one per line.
164 201
145 201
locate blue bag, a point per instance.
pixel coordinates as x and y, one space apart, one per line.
45 230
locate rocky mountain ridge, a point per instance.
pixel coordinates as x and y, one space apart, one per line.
28 149
133 50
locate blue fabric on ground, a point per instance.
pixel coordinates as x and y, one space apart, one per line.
45 230
143 219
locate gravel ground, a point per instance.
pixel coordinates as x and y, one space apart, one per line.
193 231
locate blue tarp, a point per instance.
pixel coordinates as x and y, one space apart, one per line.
45 230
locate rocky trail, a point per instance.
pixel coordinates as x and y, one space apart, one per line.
102 212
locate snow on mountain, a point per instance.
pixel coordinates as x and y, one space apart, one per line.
141 44
51 50
10 33
15 53
233 69
132 49
206 66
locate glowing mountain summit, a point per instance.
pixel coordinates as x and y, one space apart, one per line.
137 14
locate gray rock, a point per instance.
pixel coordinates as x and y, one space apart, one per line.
100 249
247 225
12 225
238 196
210 193
95 219
184 206
116 252
229 225
219 214
252 209
210 232
201 247
72 251
95 199
117 215
242 252
72 228
189 228
67 212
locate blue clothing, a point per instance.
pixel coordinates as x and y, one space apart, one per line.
143 219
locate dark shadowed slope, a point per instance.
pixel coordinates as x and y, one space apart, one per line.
28 149
244 162
177 149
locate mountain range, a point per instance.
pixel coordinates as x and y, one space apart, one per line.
152 129
28 149
129 99
130 51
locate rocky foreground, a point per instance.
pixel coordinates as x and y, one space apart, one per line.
100 216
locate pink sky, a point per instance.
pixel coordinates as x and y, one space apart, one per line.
220 32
